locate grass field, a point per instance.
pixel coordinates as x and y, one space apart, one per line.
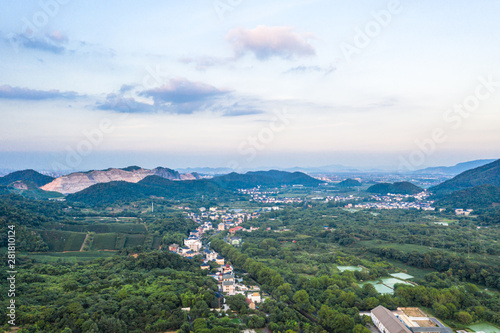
134 240
481 258
71 257
104 242
130 228
59 241
74 242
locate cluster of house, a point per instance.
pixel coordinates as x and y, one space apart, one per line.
340 198
192 244
268 197
462 212
397 201
228 218
405 320
229 286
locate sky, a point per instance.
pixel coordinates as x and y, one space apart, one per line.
248 84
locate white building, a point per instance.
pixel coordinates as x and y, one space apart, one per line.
387 322
193 243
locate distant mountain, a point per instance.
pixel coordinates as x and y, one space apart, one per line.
456 169
121 191
482 196
349 183
207 171
26 175
486 174
265 178
78 181
396 188
105 193
324 169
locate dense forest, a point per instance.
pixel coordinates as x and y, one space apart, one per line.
293 257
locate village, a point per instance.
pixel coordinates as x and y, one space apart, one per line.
230 284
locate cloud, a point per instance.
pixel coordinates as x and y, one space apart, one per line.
181 90
306 69
180 96
58 37
9 92
119 103
51 43
266 42
237 110
126 88
204 62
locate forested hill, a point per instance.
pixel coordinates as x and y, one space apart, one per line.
456 169
349 183
222 187
396 188
121 191
26 176
265 178
483 196
487 174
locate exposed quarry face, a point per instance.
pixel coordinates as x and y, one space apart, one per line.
78 181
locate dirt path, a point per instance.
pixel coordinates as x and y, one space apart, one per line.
81 247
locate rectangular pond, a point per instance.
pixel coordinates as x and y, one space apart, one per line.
379 287
402 276
485 327
349 268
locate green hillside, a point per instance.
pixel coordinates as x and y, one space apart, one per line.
483 196
486 174
396 188
270 178
26 175
120 191
218 187
349 183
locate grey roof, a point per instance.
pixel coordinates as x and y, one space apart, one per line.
389 320
228 276
230 283
432 329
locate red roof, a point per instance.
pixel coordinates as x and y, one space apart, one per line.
233 230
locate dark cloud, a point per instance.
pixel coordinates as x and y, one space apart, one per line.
9 92
266 42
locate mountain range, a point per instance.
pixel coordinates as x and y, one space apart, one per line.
217 187
456 169
488 174
79 181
